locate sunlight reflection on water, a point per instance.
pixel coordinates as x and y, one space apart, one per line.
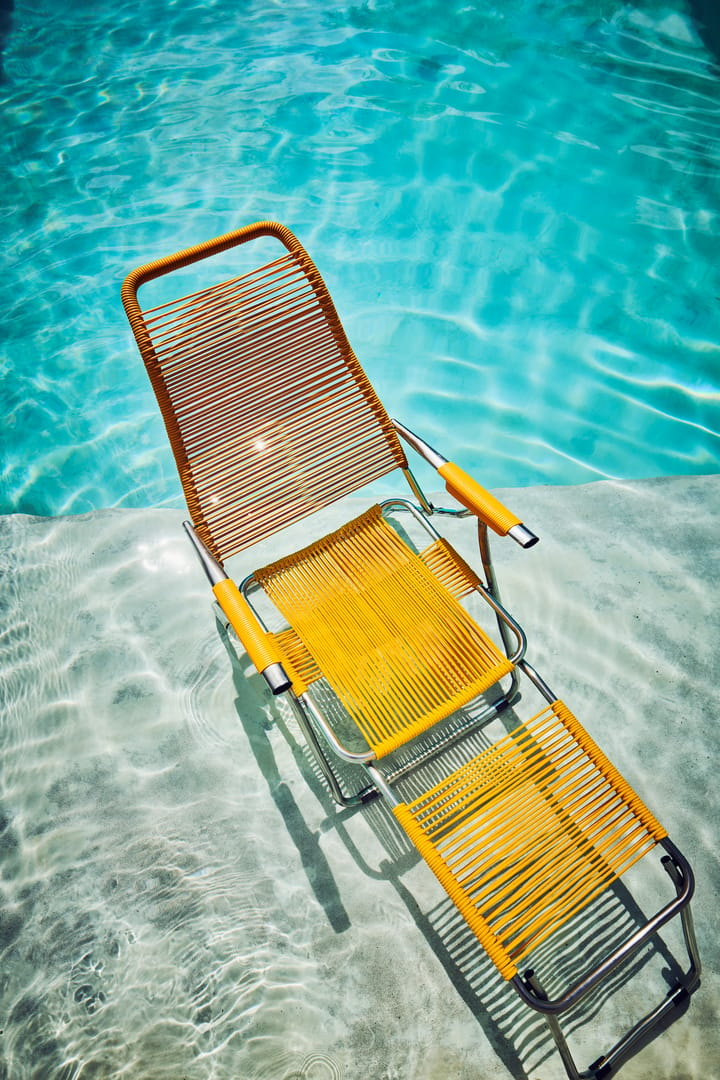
499 202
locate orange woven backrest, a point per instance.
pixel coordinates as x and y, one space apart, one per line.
269 414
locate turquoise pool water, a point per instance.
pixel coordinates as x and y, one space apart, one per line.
515 206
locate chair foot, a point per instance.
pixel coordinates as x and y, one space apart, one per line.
533 984
675 1001
600 1069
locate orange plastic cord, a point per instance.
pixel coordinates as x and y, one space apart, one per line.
527 833
398 649
269 414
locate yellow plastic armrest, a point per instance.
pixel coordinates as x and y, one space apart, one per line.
259 645
473 496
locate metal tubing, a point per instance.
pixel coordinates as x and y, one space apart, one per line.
406 506
534 985
500 611
382 785
419 445
210 565
450 739
486 556
623 952
490 578
519 532
625 1046
685 882
523 536
277 678
247 586
681 873
418 492
537 681
688 926
323 762
340 750
605 1065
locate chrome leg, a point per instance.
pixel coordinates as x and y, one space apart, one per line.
680 873
537 681
493 589
532 992
360 797
533 984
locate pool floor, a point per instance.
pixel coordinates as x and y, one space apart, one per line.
181 899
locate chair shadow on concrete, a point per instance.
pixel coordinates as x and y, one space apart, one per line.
518 1036
249 707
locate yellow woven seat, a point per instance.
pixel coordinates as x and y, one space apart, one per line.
526 834
271 418
398 649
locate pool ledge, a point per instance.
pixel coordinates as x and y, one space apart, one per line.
171 849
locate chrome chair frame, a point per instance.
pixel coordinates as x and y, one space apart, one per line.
323 742
310 715
183 371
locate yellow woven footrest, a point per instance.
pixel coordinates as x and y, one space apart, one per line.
527 833
397 647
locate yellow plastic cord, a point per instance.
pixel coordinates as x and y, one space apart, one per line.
260 646
526 834
398 649
450 569
472 495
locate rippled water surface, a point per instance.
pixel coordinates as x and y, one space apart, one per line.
180 901
515 206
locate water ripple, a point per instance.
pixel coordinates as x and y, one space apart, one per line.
478 166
